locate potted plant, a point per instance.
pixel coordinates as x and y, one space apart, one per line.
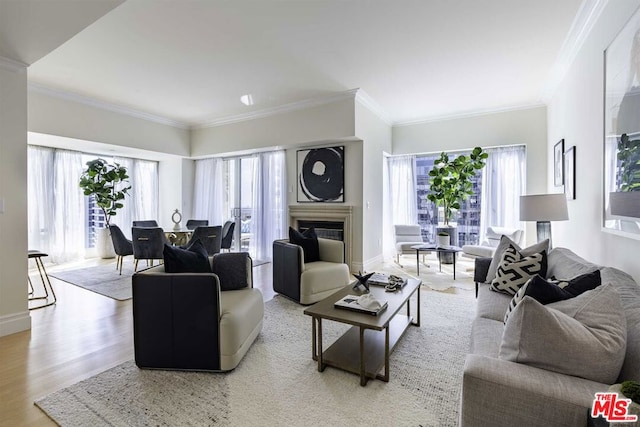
443 238
451 183
626 201
107 184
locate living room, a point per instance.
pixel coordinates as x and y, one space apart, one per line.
572 109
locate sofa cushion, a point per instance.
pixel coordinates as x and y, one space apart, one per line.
193 259
478 251
546 292
583 336
515 269
491 305
233 270
505 242
486 335
308 241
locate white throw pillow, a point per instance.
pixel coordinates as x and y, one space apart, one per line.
585 336
504 244
515 270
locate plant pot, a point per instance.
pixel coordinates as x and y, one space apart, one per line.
452 232
104 244
442 240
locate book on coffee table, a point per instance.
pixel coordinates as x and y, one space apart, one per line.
350 302
380 279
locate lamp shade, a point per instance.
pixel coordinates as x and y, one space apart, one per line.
544 207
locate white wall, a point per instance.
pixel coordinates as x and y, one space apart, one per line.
575 113
14 315
526 126
376 139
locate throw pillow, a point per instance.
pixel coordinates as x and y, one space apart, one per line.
547 291
193 259
233 270
308 241
583 336
505 242
515 269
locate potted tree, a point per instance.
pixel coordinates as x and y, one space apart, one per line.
450 184
107 184
626 200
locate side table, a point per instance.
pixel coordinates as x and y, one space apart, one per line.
440 250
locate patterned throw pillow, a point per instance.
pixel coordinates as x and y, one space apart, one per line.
514 270
553 290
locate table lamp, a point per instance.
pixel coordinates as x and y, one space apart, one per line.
544 208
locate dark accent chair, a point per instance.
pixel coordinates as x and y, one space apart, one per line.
481 270
145 223
310 282
148 243
121 245
227 235
187 321
193 223
211 238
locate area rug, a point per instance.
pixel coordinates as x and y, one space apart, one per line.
102 279
278 384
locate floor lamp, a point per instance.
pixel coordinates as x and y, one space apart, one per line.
544 208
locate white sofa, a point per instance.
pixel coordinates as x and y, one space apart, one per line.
488 246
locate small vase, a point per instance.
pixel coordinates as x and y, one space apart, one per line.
442 240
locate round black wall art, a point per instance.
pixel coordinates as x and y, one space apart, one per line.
321 175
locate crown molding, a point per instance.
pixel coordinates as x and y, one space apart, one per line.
13 65
281 109
363 98
469 114
586 18
91 102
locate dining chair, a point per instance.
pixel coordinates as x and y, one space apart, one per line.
148 243
193 223
145 223
121 245
210 236
227 235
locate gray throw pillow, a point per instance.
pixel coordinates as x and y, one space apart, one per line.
504 244
583 336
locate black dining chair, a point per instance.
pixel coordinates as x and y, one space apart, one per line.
145 223
227 235
121 245
148 243
210 236
193 223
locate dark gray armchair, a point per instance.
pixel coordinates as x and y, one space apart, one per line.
145 223
211 238
148 243
121 245
482 265
227 234
189 321
193 223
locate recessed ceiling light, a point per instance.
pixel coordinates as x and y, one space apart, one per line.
247 99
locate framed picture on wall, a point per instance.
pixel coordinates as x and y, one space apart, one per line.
570 173
558 163
320 175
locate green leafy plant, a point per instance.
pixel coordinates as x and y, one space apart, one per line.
450 183
106 182
631 389
629 168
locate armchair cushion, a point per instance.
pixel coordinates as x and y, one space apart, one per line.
193 259
233 270
308 241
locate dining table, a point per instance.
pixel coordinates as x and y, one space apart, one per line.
178 237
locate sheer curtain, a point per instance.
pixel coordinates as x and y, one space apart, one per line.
503 182
401 191
68 208
269 221
40 198
208 191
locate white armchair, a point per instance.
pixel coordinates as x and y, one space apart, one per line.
488 246
407 236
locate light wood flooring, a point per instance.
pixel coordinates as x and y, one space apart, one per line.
83 334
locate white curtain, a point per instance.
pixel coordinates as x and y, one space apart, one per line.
68 211
208 191
40 198
268 221
400 195
503 182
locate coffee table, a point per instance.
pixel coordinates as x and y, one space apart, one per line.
364 349
440 250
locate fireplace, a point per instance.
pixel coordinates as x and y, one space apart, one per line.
330 221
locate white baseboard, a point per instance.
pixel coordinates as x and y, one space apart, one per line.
371 263
12 323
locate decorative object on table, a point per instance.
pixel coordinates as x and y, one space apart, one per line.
366 303
544 208
107 184
362 281
176 218
558 163
390 282
442 239
320 175
570 173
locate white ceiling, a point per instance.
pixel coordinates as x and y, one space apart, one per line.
191 61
